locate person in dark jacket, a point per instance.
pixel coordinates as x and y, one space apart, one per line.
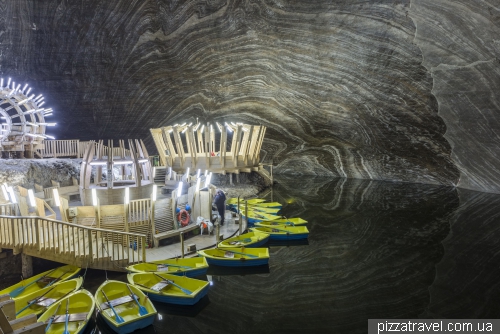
219 202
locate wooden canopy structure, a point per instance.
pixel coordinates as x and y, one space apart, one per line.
22 120
228 148
124 168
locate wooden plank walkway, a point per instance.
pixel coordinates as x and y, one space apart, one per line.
71 243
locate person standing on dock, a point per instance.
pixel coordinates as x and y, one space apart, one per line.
220 203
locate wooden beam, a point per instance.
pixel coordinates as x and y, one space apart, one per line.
170 146
223 141
8 309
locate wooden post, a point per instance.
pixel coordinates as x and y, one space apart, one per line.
246 214
182 244
217 233
89 240
26 265
152 218
143 249
125 216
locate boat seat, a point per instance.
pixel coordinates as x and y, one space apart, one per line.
45 302
47 280
71 317
118 301
158 286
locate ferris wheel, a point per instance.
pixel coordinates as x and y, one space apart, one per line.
22 118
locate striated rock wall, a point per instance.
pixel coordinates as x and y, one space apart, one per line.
460 42
341 85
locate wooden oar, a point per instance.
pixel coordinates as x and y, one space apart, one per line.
241 253
58 278
17 291
287 221
67 318
34 301
117 316
52 317
176 265
142 309
241 241
186 291
274 228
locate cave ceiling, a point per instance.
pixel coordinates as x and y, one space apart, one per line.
391 90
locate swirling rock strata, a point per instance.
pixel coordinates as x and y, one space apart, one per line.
341 86
461 48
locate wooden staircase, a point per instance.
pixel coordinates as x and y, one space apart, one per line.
160 172
70 243
164 220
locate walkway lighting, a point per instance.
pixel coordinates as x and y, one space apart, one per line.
56 197
94 197
31 197
179 189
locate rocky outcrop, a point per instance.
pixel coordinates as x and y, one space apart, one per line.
346 88
19 172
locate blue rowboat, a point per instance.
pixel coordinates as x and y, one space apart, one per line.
274 205
249 239
190 267
69 315
283 232
170 289
40 281
295 221
236 256
38 302
120 310
257 216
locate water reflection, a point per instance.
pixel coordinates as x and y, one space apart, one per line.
229 271
376 250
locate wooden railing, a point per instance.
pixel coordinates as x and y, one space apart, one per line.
8 209
59 148
71 243
71 148
105 151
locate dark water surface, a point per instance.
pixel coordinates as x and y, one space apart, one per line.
376 250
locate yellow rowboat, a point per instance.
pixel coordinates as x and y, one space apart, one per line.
170 289
256 216
283 232
69 315
249 239
275 205
234 201
37 282
236 256
260 209
190 267
124 307
38 302
296 221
